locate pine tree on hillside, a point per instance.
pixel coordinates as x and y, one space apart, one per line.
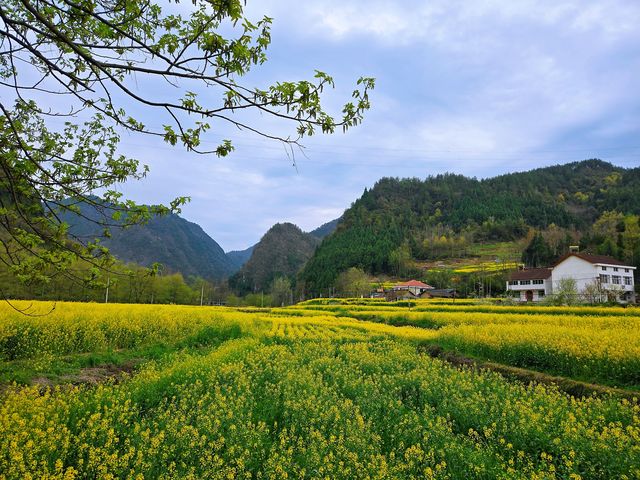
538 253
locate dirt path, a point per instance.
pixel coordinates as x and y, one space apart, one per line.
572 387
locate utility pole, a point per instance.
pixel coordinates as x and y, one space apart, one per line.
202 294
106 295
262 299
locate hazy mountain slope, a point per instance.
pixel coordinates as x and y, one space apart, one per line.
326 229
239 257
179 245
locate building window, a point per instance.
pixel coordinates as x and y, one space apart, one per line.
540 293
538 282
513 282
615 279
615 269
604 278
627 280
626 270
525 282
604 269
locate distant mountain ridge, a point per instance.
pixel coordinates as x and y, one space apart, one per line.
179 245
326 229
240 257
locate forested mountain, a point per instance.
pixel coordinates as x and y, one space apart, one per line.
240 257
281 252
179 245
401 219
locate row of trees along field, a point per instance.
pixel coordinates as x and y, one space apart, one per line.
130 283
355 282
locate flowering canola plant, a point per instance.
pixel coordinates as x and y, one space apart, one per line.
263 395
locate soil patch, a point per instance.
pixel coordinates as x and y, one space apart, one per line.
100 373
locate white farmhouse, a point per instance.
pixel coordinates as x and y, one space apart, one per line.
597 274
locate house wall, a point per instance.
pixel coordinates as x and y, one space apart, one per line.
535 288
620 273
583 272
536 294
530 286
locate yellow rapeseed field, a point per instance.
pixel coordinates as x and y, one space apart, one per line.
305 393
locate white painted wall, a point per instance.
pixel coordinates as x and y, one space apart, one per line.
583 272
536 294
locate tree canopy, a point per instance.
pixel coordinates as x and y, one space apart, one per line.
75 75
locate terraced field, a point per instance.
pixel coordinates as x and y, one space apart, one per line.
347 391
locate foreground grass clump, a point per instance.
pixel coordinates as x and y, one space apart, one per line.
261 395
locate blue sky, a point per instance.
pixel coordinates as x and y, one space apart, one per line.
479 88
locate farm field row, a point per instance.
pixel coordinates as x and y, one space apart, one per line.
597 349
263 395
465 305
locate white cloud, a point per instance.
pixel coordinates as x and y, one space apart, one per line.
447 21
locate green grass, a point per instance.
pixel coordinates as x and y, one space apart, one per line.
504 250
60 369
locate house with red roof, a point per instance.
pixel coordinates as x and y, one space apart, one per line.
598 273
414 287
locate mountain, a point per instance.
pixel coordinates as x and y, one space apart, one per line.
240 257
400 219
282 251
179 245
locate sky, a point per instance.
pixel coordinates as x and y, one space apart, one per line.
479 88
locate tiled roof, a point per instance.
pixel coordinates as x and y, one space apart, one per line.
531 274
595 259
413 283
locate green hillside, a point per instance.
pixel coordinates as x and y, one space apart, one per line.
401 221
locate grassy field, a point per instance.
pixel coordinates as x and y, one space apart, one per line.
482 257
314 391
